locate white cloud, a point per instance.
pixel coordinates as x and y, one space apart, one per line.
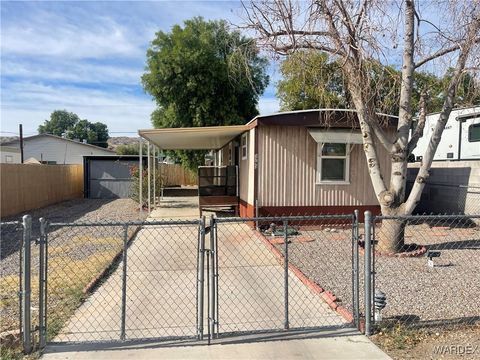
66 71
268 106
120 111
50 35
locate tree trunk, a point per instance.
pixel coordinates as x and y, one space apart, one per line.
391 236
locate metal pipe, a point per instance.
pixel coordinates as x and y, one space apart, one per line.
214 229
356 264
367 274
148 177
289 218
201 275
285 268
140 175
41 284
154 178
211 287
124 283
256 215
27 285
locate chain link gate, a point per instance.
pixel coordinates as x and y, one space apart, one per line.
260 282
135 277
180 279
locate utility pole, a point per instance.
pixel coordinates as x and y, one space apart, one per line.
20 130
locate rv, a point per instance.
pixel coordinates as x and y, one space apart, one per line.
460 139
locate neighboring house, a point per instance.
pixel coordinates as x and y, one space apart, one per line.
293 163
9 155
51 149
460 139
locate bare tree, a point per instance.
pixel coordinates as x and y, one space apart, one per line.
433 34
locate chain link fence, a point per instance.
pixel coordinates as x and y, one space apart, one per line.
428 269
120 281
11 240
284 273
179 279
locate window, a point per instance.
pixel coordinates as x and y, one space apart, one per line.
244 146
333 163
8 158
474 133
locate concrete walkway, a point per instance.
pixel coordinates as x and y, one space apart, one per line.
326 345
161 301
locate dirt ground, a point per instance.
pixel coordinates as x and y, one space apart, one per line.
93 248
458 343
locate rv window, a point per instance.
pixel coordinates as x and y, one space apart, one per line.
244 146
333 163
474 132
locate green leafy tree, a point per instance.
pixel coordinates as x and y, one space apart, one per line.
311 79
203 74
69 124
130 149
60 122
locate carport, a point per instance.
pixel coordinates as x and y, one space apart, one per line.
215 182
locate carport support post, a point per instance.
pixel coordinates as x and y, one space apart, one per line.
26 285
140 175
368 269
148 175
285 265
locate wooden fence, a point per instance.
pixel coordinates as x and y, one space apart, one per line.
176 175
25 187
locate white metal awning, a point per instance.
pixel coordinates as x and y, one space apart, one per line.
193 138
336 136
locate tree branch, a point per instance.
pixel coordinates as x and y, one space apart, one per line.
423 172
442 53
418 132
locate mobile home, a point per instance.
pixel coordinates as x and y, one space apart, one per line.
302 162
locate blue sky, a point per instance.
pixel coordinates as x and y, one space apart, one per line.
87 57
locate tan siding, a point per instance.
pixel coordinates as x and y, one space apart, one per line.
287 171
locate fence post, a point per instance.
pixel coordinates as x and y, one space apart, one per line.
355 267
215 248
368 275
211 290
124 283
285 267
42 274
200 288
26 285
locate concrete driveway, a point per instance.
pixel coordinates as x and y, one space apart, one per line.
161 301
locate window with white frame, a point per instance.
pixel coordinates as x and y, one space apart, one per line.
333 163
244 146
8 158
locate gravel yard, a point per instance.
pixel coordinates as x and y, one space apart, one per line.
416 294
76 254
